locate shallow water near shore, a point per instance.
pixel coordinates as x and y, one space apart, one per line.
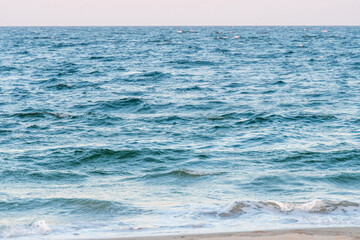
129 131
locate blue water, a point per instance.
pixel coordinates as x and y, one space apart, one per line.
126 131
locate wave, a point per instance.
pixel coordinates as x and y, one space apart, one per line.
43 175
145 76
129 104
38 227
121 103
332 158
226 116
70 206
276 118
7 69
90 118
312 117
64 45
185 173
71 160
106 154
189 63
102 58
23 52
43 37
269 179
60 86
234 85
279 82
194 107
222 50
56 83
316 206
41 114
96 119
345 180
192 88
156 74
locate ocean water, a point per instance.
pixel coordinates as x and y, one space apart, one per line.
130 131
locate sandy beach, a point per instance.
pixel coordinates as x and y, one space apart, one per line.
343 233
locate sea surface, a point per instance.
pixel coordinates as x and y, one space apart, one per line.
132 131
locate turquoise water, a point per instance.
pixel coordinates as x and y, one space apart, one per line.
126 131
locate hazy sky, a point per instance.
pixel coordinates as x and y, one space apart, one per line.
178 12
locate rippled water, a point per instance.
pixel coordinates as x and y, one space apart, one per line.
118 131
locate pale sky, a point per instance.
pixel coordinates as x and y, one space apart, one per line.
178 12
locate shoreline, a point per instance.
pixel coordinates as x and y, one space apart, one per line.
326 233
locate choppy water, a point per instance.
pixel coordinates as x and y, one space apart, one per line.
118 131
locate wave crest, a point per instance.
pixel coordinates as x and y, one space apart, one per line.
38 227
186 173
310 207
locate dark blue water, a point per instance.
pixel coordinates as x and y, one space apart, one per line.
118 131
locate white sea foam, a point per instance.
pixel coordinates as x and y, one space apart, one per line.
317 206
238 216
313 206
38 227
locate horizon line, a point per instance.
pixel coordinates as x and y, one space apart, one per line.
329 25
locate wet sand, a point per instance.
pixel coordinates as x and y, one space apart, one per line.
342 233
